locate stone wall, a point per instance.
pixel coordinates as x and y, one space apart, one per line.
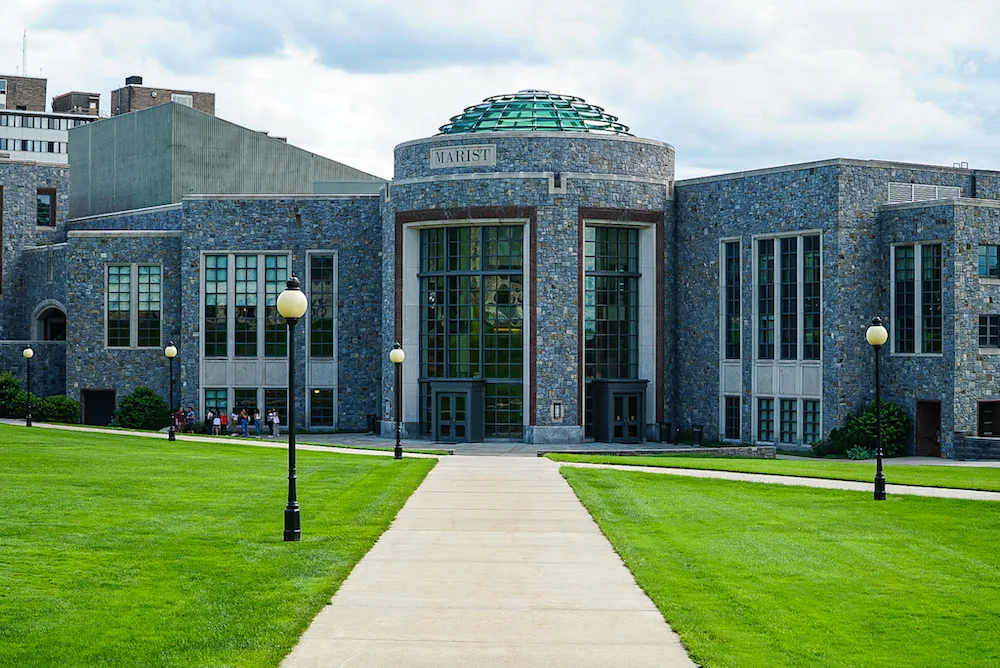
967 446
347 225
48 366
19 184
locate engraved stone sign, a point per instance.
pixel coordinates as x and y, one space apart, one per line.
475 155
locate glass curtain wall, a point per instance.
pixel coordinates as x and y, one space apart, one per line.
610 307
472 318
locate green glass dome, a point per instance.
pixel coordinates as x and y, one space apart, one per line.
534 111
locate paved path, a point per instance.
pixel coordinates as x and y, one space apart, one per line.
492 562
823 483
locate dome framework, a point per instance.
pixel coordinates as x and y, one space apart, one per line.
534 111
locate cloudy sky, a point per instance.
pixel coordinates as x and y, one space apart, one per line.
732 84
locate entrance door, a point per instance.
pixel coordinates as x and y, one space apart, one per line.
452 417
928 429
628 418
98 406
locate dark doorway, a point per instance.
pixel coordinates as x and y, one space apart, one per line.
928 429
627 426
98 406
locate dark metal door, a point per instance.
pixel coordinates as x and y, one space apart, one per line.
628 418
928 429
98 406
452 417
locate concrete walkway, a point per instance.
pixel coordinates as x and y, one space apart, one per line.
492 562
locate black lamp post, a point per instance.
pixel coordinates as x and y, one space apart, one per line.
876 336
292 305
396 356
171 352
28 354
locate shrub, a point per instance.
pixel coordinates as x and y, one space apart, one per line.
11 396
143 409
857 452
836 444
59 408
896 428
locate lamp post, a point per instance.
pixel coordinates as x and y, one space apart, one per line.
171 352
28 354
396 356
877 335
292 305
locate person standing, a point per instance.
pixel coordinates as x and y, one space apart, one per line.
191 419
179 420
276 424
223 423
216 425
244 422
256 421
234 421
208 422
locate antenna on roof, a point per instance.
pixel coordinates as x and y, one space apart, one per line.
24 54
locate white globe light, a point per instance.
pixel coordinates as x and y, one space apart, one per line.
396 356
170 351
877 335
292 303
28 353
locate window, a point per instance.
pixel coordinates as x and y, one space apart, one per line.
989 331
789 420
149 306
322 307
246 306
732 418
989 418
321 408
765 299
611 302
917 299
45 215
216 301
472 319
988 265
765 419
275 328
930 298
119 306
810 421
133 295
789 298
812 335
217 401
246 399
277 399
731 286
180 98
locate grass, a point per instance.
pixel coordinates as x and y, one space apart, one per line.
754 575
118 550
957 477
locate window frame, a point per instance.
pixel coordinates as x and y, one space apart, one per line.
920 342
991 323
133 305
51 192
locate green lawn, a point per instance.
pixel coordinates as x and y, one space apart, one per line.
131 551
959 477
767 575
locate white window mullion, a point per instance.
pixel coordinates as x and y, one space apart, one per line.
133 305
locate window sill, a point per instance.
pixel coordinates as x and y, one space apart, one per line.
928 355
989 351
989 280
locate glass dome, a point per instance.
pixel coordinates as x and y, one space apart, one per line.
534 111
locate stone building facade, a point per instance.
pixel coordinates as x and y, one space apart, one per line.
548 280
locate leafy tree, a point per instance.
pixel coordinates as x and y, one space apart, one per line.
13 397
896 428
143 409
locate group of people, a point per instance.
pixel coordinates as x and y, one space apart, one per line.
234 424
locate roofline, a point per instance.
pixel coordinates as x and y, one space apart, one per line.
849 162
474 136
951 201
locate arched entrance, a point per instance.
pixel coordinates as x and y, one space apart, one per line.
50 321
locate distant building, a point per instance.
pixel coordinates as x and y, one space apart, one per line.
22 93
75 102
133 96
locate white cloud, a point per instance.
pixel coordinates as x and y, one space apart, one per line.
733 85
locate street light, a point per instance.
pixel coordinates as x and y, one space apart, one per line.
396 356
28 354
876 336
171 352
292 305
